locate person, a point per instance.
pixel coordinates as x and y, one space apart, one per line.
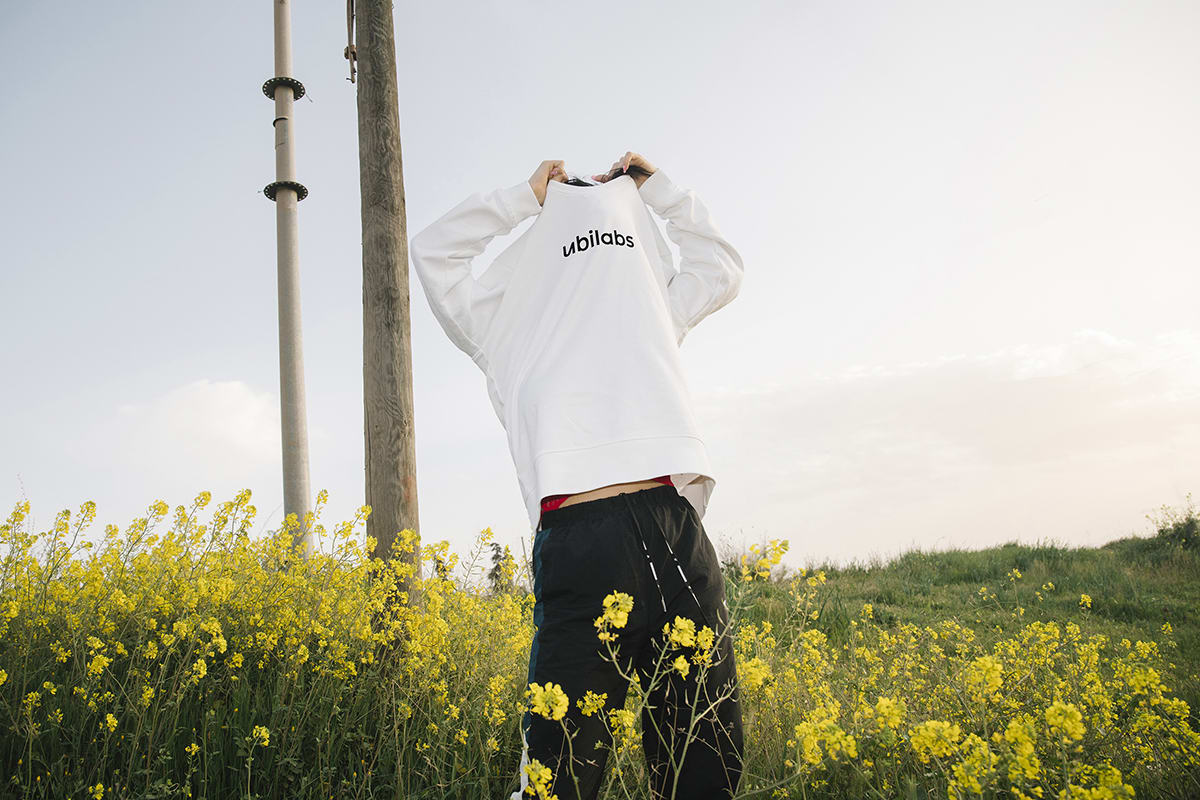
577 326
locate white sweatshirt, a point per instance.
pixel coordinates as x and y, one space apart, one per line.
577 326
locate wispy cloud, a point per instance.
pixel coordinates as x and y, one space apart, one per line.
972 449
210 424
205 434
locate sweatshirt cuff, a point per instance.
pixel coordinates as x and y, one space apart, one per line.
520 201
658 190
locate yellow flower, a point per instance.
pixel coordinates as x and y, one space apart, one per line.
704 645
98 664
591 702
97 791
617 606
549 701
1085 601
754 673
681 664
622 719
983 678
934 738
539 777
1065 719
111 722
888 712
616 609
975 769
192 749
1019 737
261 735
683 634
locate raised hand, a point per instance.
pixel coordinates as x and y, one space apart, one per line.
632 164
555 170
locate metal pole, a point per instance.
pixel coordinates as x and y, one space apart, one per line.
287 194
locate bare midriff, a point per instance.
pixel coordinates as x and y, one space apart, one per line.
613 489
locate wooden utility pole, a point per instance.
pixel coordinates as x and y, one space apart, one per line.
287 193
387 352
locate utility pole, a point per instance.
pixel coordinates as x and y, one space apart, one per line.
387 351
287 193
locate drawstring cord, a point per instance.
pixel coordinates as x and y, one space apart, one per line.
645 550
678 566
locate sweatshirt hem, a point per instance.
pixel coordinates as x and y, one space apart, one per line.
587 468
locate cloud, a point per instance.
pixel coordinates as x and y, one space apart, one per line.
968 448
209 424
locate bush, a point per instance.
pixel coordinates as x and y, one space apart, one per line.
1181 528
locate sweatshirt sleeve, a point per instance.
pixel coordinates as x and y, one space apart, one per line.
710 269
442 253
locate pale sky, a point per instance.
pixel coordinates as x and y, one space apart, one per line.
970 235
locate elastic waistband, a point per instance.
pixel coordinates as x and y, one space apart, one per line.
603 506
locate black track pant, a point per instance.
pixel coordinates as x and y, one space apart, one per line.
649 544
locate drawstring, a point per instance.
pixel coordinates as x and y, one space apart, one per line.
675 558
645 550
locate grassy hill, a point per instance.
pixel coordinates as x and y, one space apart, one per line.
1133 589
1136 584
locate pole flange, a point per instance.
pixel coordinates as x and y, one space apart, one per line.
297 87
271 188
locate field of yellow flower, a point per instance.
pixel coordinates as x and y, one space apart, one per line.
190 659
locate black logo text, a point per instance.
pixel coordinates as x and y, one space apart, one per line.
594 238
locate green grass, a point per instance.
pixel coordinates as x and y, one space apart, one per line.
1136 584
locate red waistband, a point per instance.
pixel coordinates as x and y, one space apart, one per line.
555 500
